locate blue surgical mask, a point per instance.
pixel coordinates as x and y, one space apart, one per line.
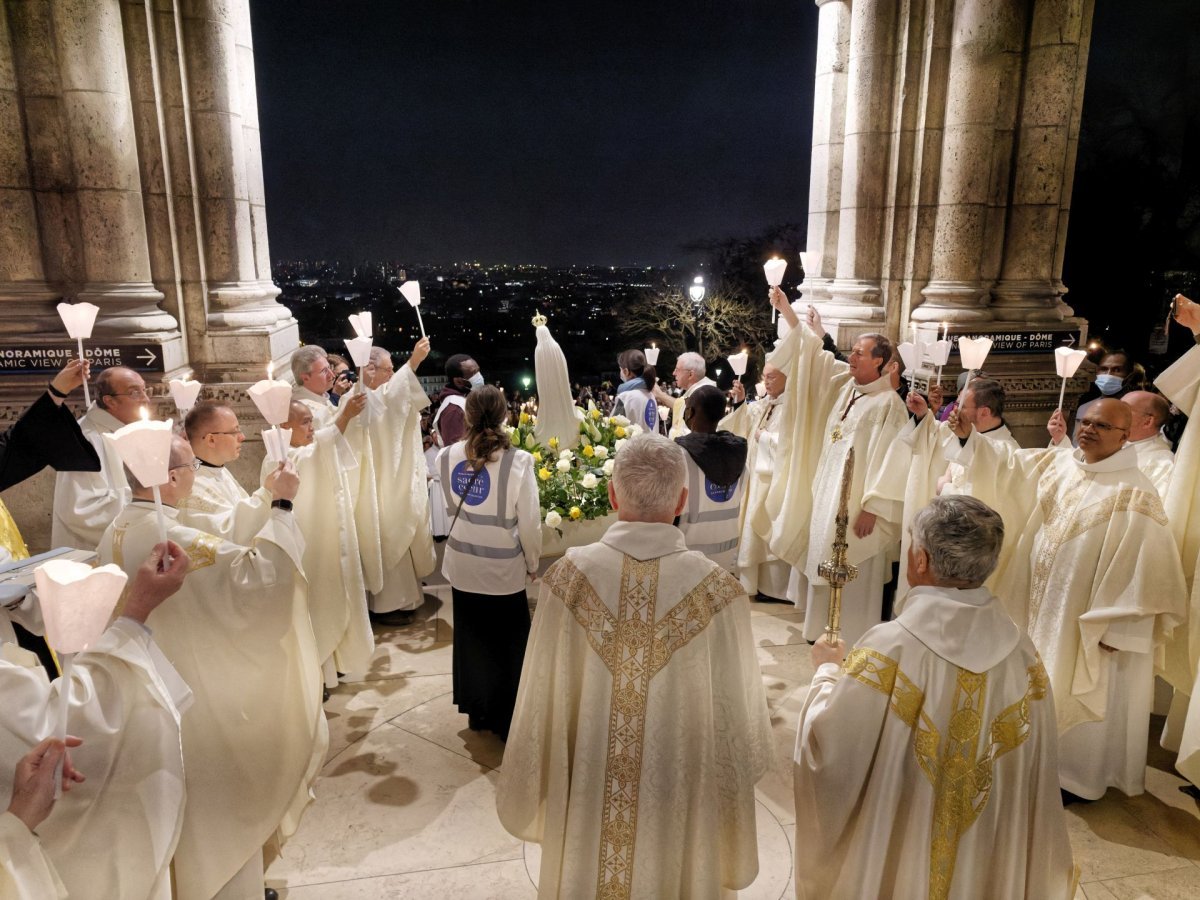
476 380
1109 384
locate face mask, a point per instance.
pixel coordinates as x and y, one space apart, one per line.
1109 384
476 380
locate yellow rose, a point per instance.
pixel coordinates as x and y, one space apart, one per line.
524 418
576 512
589 452
544 474
620 432
553 443
596 414
537 455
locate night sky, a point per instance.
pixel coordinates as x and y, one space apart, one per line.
560 133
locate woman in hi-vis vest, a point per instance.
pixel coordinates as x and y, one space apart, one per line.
494 542
634 398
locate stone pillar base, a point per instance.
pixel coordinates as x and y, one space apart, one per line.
953 301
242 354
25 305
244 304
1030 301
127 309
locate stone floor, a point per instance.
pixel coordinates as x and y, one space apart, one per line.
406 803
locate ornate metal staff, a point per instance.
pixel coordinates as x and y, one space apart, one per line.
836 570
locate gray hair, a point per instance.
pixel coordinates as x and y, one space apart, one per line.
693 362
379 354
304 359
650 472
962 536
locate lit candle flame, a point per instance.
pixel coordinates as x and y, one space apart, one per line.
270 369
144 413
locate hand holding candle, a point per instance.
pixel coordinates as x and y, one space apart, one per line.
79 319
774 269
412 293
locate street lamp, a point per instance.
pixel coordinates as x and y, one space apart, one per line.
525 381
696 291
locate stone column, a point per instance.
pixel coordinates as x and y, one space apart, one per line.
1030 284
99 127
24 293
855 291
237 296
985 59
828 138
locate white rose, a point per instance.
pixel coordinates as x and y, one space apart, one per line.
566 454
620 420
601 451
553 519
634 429
618 445
608 467
589 481
563 465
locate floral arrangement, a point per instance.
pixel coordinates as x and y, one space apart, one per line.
573 484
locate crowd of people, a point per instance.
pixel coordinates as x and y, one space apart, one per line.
1007 613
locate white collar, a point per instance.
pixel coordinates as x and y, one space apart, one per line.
967 628
644 540
878 386
703 382
1125 458
300 392
105 421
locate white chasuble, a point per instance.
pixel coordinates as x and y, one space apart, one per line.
399 510
1181 385
85 503
927 768
255 737
25 871
1087 555
324 512
757 421
112 836
219 505
1156 461
641 726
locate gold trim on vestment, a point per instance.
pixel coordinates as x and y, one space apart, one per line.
634 647
962 783
10 535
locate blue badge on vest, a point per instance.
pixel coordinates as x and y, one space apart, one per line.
461 477
650 415
720 493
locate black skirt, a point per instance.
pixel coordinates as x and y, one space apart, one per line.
490 633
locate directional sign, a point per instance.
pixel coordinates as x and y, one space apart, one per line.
1026 341
52 357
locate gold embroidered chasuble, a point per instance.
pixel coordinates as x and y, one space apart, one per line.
238 633
937 781
641 724
1087 555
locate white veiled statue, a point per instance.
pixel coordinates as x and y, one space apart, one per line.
556 416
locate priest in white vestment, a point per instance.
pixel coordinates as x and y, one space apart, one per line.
218 504
85 503
761 572
926 764
26 873
1093 576
399 526
1155 457
691 372
114 835
255 736
324 512
314 378
831 406
641 724
1181 385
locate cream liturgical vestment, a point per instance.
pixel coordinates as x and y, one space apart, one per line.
641 725
927 767
220 506
1088 560
255 737
86 502
825 414
760 570
1156 460
1181 385
678 429
25 871
324 511
398 526
113 835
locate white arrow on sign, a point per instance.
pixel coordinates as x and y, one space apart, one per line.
149 356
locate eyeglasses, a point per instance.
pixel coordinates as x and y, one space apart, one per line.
134 394
235 431
194 465
1102 427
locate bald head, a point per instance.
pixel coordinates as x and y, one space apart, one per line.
1104 428
1150 413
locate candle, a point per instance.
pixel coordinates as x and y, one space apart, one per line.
412 293
76 603
738 362
1067 363
945 330
651 354
911 356
145 447
774 269
274 401
361 323
79 318
973 352
184 393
